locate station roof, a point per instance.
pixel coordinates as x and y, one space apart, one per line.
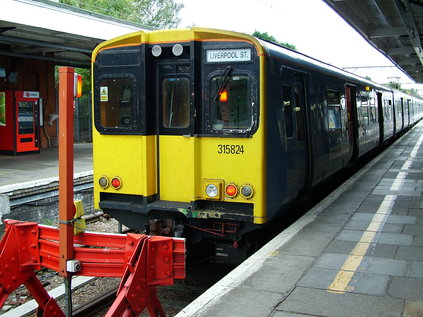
47 30
394 27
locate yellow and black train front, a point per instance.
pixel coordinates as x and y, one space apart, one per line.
178 145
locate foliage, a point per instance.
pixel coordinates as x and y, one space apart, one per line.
158 13
393 85
270 38
397 86
161 14
152 13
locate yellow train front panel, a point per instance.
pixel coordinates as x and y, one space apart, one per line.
177 116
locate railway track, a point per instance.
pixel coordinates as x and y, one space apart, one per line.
173 298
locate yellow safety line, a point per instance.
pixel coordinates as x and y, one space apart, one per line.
341 282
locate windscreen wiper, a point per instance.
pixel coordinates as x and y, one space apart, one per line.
222 85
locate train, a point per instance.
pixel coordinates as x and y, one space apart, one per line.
210 134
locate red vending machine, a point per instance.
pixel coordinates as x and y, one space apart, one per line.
19 122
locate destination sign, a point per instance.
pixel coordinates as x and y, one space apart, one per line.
228 55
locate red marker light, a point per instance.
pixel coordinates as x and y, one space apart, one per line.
231 190
223 96
116 183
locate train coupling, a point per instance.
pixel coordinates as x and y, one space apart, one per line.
165 227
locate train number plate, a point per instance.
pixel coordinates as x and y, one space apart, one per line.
230 149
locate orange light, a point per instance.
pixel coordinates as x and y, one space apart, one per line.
116 183
77 85
223 96
231 190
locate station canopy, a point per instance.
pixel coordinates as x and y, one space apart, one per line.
51 31
394 27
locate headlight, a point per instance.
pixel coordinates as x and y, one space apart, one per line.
212 190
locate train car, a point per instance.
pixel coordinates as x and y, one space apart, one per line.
210 134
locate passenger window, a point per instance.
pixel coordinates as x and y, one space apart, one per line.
373 111
364 109
287 109
231 104
387 109
334 110
117 102
176 103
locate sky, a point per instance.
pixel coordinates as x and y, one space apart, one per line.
311 25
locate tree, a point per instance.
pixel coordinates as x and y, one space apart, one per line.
394 85
161 14
270 38
411 91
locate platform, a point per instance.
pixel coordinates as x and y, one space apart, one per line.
357 253
32 174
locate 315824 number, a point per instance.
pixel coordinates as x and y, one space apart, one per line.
230 149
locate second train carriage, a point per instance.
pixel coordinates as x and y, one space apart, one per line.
211 133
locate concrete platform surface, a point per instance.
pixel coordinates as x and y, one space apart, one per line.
26 178
26 170
359 252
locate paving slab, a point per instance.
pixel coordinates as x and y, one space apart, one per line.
369 264
376 250
308 243
410 253
364 283
416 270
385 238
416 230
323 303
393 219
413 309
279 273
362 225
242 302
406 288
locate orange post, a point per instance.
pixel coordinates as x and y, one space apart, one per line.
66 206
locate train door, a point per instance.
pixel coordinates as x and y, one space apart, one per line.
175 148
350 96
297 145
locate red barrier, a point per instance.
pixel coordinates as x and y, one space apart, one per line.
142 261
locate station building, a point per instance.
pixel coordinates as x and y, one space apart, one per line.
36 36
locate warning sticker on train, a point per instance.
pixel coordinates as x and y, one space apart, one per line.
228 55
104 94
